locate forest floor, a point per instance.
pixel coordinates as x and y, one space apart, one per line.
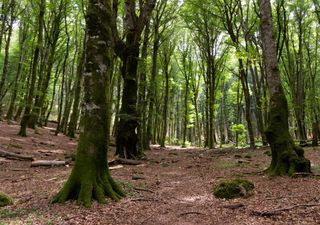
173 186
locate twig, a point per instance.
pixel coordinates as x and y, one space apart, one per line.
145 220
145 200
143 189
192 212
278 211
234 206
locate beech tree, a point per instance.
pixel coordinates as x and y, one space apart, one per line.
287 158
128 51
90 177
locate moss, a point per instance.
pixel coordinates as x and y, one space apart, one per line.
5 200
233 188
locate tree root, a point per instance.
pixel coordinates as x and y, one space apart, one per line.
84 190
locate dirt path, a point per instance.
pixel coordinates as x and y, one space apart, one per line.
174 186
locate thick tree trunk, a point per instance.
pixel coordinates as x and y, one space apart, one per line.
127 138
90 177
126 134
286 157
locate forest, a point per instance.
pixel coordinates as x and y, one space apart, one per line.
159 112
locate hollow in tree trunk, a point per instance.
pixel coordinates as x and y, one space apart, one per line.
90 177
287 158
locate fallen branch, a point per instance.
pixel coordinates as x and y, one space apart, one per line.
115 167
278 211
145 200
143 189
47 163
11 155
192 212
123 161
234 206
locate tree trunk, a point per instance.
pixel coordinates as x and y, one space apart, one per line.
246 92
142 101
127 137
44 84
6 56
286 157
27 111
77 93
90 177
22 44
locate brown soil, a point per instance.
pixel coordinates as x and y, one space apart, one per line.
173 186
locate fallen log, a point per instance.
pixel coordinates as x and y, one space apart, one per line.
11 155
48 163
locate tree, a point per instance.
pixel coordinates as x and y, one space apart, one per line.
287 158
30 95
90 177
128 51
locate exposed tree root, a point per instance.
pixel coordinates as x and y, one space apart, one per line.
84 190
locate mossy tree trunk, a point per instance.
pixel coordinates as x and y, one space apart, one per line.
286 157
90 177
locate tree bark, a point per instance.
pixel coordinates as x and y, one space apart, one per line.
286 157
127 137
90 177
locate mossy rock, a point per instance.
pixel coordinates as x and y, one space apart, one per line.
233 189
5 200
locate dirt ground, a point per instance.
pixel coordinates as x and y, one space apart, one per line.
173 186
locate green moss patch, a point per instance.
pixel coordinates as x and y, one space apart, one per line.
5 200
233 188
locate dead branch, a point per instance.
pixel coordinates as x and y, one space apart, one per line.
192 212
47 163
143 189
115 167
11 155
233 206
145 200
278 211
124 162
